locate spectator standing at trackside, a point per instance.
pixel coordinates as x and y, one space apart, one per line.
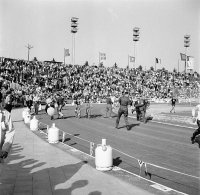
108 106
7 133
50 102
124 101
146 105
60 101
197 131
29 101
173 103
8 101
77 103
88 105
36 102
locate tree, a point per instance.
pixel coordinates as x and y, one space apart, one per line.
163 69
152 68
35 59
86 63
115 65
140 67
101 64
174 70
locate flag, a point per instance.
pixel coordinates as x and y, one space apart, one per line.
158 61
66 52
183 56
131 59
190 63
102 56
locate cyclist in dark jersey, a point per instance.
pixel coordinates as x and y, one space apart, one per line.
124 101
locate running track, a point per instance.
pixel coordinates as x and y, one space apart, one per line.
171 159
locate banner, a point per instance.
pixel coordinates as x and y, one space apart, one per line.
158 61
131 59
66 52
102 56
190 63
183 56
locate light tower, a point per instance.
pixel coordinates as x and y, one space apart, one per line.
29 47
136 37
74 30
186 45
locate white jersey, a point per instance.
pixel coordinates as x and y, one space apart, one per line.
197 108
7 131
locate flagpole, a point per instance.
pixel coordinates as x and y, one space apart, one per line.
99 58
72 48
128 61
135 54
64 56
178 65
185 59
155 64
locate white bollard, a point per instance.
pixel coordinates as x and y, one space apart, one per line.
53 134
34 124
27 118
25 112
103 157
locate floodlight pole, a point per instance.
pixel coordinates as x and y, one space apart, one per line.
29 47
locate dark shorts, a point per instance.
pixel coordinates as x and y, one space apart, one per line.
8 107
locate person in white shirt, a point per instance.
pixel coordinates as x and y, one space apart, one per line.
36 102
197 131
7 133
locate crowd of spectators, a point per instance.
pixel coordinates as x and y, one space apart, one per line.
28 77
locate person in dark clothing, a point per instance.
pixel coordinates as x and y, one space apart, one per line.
173 103
8 101
29 101
144 109
139 108
124 101
196 133
108 106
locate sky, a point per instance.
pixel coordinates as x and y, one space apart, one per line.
104 26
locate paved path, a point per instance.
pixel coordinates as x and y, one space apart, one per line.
35 167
